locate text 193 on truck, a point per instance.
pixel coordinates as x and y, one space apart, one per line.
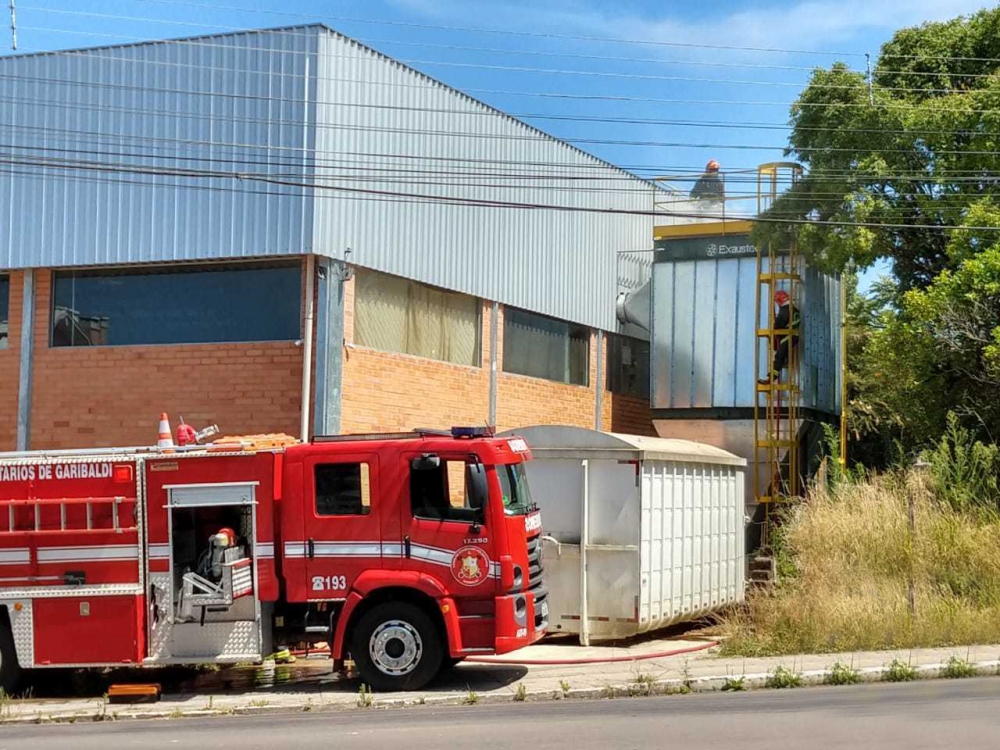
406 553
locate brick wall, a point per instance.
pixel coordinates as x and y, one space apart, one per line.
9 365
112 395
628 415
103 396
387 391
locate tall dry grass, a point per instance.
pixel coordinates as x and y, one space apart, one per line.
848 557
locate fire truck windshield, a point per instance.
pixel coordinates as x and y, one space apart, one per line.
514 486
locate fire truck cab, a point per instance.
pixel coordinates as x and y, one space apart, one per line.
405 553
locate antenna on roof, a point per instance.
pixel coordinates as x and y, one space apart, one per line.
13 26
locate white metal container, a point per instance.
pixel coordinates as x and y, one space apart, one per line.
640 533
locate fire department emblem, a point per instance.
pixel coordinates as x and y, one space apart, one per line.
470 566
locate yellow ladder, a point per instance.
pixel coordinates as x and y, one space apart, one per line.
776 404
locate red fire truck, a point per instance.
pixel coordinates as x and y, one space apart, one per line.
405 552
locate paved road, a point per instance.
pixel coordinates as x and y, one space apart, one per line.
938 714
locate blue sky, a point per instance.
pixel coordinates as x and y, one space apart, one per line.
725 87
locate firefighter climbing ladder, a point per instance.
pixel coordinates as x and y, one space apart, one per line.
776 403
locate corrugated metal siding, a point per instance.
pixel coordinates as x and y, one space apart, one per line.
703 336
230 103
691 545
260 102
559 263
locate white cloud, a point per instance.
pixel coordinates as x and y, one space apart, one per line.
805 25
813 24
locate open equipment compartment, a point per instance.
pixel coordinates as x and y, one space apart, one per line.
213 573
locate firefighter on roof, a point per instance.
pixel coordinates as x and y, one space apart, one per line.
709 186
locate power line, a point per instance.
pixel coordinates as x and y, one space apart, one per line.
477 202
712 124
888 106
525 69
320 158
419 178
617 40
539 137
373 42
466 29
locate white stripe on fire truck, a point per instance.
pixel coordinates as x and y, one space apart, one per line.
432 555
88 554
16 556
162 551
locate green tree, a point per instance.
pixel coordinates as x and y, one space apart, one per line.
908 169
912 154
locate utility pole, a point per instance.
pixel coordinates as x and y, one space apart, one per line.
871 92
13 26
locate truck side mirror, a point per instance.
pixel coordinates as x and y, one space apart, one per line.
477 489
426 462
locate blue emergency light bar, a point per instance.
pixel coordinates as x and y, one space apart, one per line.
471 432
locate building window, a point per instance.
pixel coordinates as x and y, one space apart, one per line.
545 348
628 366
398 315
170 305
343 490
4 304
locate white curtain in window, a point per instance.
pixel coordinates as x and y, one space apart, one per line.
398 315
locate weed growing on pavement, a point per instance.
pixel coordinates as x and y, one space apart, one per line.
365 697
259 703
564 686
782 677
522 693
177 713
842 674
471 698
734 684
102 712
609 691
642 684
899 671
958 668
687 678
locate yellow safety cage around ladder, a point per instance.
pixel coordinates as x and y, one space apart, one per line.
776 403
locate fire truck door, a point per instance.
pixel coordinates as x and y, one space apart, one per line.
341 535
445 529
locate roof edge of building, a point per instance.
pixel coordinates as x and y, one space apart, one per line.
320 27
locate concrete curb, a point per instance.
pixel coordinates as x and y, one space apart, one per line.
638 688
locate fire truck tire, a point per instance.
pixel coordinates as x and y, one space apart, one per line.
11 673
396 646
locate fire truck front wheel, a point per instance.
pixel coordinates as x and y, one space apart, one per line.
10 672
396 646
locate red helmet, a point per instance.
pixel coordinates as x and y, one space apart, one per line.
781 297
227 536
712 166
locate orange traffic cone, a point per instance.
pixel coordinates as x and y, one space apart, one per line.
163 440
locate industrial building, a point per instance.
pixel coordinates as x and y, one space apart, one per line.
287 231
